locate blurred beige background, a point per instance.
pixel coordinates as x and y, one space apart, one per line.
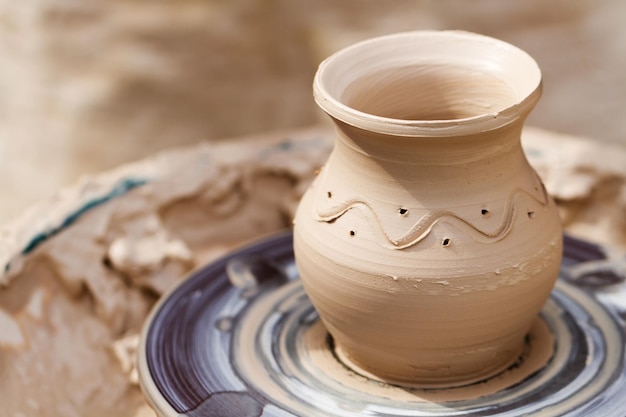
87 85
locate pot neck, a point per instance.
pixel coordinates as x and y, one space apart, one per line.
361 148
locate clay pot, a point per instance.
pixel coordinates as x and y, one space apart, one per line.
427 243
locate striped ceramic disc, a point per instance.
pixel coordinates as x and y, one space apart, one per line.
239 338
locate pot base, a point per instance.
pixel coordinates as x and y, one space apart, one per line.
538 349
241 335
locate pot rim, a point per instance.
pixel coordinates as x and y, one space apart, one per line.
497 57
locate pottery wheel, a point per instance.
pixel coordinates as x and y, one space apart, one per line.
240 338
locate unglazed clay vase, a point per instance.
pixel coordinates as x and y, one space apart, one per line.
427 243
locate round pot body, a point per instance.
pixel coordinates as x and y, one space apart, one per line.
427 243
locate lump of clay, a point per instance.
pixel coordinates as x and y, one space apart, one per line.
82 270
148 256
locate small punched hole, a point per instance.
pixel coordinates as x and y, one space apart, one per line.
484 212
531 214
352 233
107 263
329 194
445 243
403 211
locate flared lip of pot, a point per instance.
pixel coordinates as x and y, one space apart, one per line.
498 56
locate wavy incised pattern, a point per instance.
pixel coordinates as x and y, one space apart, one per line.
422 228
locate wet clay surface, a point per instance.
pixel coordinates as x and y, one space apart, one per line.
60 316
